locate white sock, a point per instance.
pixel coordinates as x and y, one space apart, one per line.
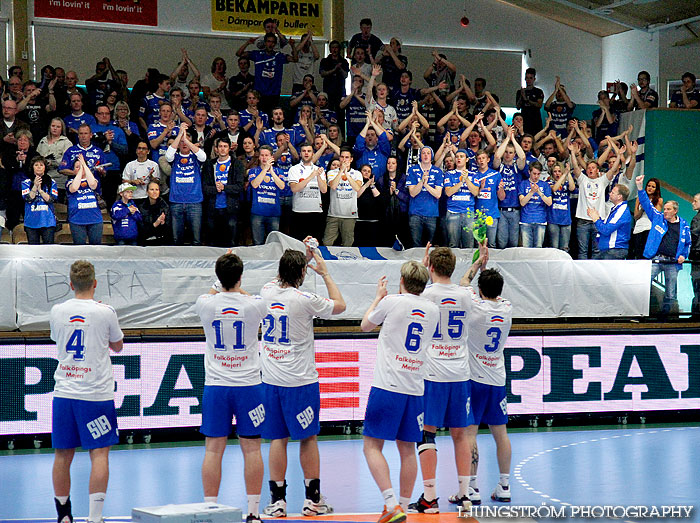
280 483
472 481
390 499
210 499
254 504
97 501
463 485
62 499
505 480
429 489
404 503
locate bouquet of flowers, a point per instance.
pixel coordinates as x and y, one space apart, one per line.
481 222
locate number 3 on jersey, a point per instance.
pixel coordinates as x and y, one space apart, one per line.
495 334
76 346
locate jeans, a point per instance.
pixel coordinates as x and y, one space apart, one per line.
508 227
132 241
261 226
559 236
421 226
222 228
186 214
84 234
670 269
695 278
457 236
586 235
612 254
532 234
41 235
491 232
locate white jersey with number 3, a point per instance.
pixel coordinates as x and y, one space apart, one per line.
489 325
82 330
231 322
287 353
409 322
447 356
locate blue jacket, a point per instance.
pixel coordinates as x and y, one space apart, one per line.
614 232
659 226
375 158
124 223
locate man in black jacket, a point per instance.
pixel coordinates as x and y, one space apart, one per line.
695 254
222 185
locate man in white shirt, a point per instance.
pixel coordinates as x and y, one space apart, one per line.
489 325
83 412
141 171
592 186
447 387
307 181
290 379
345 184
232 385
395 404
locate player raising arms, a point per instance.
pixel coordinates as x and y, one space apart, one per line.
395 403
446 375
83 412
489 325
292 395
232 385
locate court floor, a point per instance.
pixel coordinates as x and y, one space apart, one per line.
561 468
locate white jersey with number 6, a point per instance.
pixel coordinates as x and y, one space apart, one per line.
489 325
288 356
231 322
447 359
82 330
409 323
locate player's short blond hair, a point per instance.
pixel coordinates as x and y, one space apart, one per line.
82 275
415 277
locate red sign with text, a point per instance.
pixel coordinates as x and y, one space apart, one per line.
133 12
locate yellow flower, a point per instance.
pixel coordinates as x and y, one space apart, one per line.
489 221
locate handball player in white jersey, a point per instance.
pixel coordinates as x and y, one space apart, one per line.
489 325
446 397
290 379
83 412
232 386
395 403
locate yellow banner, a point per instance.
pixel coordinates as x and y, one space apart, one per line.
247 16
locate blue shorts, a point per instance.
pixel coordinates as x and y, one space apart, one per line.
447 404
80 423
220 404
489 404
292 412
392 415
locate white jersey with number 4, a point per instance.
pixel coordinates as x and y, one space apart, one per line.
83 330
409 322
288 356
231 322
447 359
489 325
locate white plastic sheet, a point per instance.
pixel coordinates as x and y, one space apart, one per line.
156 287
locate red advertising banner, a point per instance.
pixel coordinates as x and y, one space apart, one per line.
133 12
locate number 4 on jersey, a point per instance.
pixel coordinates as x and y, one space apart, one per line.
76 345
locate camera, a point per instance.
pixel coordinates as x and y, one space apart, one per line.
99 139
